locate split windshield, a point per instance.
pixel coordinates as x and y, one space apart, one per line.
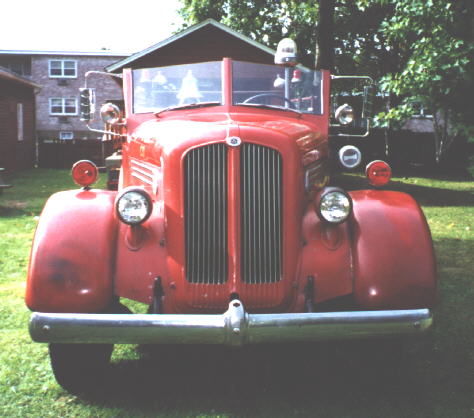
254 85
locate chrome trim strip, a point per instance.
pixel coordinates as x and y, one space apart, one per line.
143 165
144 179
234 327
147 173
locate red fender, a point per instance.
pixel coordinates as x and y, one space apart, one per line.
394 263
72 257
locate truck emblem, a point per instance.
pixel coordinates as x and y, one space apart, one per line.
233 141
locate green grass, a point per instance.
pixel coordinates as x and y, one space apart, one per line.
433 378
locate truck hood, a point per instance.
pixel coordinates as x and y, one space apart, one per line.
199 128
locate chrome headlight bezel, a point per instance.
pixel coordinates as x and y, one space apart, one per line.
334 206
143 206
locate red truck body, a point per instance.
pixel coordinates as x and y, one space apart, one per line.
235 191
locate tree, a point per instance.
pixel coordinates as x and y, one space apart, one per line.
422 51
438 66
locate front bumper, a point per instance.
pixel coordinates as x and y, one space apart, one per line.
234 327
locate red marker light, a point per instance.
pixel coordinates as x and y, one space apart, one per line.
296 76
378 173
84 173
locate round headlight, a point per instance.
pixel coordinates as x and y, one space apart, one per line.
335 206
134 206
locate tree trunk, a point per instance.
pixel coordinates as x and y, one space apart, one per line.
325 37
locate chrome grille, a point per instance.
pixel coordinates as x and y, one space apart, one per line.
206 214
261 211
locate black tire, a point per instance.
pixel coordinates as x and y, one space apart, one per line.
81 369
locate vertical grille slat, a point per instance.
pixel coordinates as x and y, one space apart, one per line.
206 214
261 244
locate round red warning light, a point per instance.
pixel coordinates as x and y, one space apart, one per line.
84 173
378 173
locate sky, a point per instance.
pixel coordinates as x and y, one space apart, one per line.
86 25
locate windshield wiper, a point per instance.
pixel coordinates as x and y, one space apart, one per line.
187 106
267 106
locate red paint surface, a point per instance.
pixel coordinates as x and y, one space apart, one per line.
394 261
71 264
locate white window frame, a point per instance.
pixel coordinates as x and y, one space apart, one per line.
63 106
66 135
62 69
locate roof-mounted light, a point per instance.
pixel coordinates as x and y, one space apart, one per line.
286 53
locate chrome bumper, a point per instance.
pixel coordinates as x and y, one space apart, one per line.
234 327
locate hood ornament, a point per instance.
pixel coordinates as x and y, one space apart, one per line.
233 141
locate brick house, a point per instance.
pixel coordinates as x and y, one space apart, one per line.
60 75
17 121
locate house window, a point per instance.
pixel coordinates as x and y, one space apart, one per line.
66 135
61 106
20 121
62 69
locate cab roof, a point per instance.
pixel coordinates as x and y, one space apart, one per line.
205 41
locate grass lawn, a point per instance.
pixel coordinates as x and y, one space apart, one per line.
432 377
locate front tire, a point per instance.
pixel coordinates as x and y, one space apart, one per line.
81 369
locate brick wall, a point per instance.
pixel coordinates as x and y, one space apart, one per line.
48 126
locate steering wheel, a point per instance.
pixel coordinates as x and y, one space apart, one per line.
278 96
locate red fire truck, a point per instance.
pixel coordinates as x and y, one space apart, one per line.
224 225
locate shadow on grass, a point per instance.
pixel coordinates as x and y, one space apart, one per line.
424 195
275 380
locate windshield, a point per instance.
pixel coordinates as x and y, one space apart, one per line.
156 89
162 89
296 88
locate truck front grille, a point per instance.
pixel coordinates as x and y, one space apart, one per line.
206 214
260 214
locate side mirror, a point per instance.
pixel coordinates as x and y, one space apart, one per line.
110 113
87 104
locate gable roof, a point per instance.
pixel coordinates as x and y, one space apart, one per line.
207 24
